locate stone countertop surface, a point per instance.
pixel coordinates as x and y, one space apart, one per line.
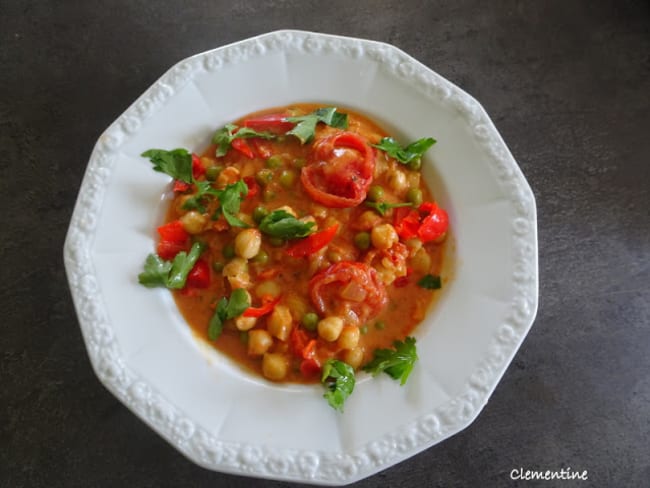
566 83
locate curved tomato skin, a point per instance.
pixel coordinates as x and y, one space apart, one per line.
312 243
340 274
434 226
342 188
276 123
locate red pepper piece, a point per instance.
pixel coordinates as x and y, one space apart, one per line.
181 186
168 250
253 187
298 341
173 232
261 147
276 123
401 282
435 224
406 222
312 243
268 304
197 167
310 367
242 146
199 276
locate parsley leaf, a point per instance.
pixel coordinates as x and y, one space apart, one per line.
170 274
227 309
156 271
397 363
281 223
430 282
177 163
223 137
409 154
306 124
230 199
338 378
197 201
383 207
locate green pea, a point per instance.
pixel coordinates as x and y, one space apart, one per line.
362 240
414 164
228 251
310 321
375 193
268 195
259 213
264 176
276 241
287 178
363 329
212 173
275 161
261 257
379 325
217 266
414 195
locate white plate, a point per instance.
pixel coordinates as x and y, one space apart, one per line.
211 411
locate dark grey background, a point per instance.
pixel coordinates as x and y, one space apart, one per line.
566 83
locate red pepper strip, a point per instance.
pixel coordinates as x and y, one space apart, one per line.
173 232
435 224
269 273
253 187
406 222
267 307
181 186
276 123
312 243
261 147
197 167
309 367
401 282
168 250
298 341
199 276
242 146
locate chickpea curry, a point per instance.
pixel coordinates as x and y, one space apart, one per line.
304 244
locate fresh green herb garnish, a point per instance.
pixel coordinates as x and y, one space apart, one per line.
306 124
227 309
177 163
338 378
170 274
281 223
383 207
223 137
230 199
197 201
430 282
397 363
410 154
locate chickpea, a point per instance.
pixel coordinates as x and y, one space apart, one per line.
398 182
279 322
368 220
245 323
421 262
228 176
247 243
236 271
268 287
194 222
349 337
384 236
288 209
330 328
259 341
274 366
296 304
353 357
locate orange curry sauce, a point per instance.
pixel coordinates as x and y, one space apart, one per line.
288 278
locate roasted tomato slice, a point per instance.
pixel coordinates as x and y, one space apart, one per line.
349 289
339 170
